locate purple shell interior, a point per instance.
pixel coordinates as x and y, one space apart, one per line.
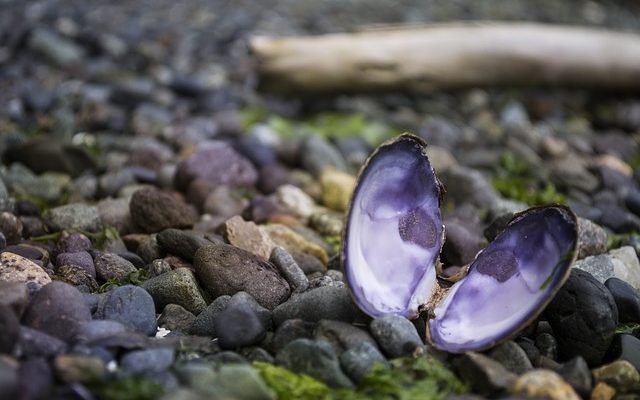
509 283
394 231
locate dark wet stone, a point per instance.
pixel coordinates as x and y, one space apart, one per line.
14 295
314 358
81 258
10 328
150 250
512 357
325 302
627 300
217 163
577 374
36 378
618 219
151 360
179 287
238 326
77 276
547 344
341 335
530 350
57 309
289 269
9 379
153 210
203 324
625 347
176 318
290 330
396 335
255 353
133 258
225 269
73 242
34 343
357 361
461 244
112 266
133 306
181 243
77 216
98 329
483 374
584 317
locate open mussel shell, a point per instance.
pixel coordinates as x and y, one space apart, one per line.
394 231
509 283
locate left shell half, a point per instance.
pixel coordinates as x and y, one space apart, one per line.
394 230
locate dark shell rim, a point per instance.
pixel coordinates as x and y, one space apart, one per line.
347 224
535 313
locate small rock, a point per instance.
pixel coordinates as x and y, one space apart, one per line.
255 353
97 329
176 318
602 391
342 336
295 200
145 361
80 258
34 343
247 236
357 361
238 326
294 243
461 244
36 379
289 269
327 223
225 202
547 344
159 267
625 347
14 295
76 216
71 368
225 269
181 243
238 381
245 300
73 242
60 51
592 238
115 213
203 324
512 357
626 265
291 330
153 210
543 384
485 375
396 335
57 309
627 300
14 268
577 374
9 379
325 302
112 266
583 316
571 172
176 287
336 189
316 154
11 227
315 359
10 327
132 306
77 276
621 375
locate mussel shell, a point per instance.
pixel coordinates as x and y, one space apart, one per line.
394 232
509 283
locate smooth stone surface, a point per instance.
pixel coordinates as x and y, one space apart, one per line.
203 324
484 374
14 268
294 242
57 309
542 383
324 302
512 357
145 361
342 336
180 243
112 266
238 326
77 216
14 295
90 331
337 187
314 358
179 287
248 236
461 244
10 328
34 343
317 154
627 300
133 306
592 238
357 361
225 269
625 347
81 258
291 330
621 375
72 242
233 381
36 378
583 316
577 374
296 201
626 265
154 210
176 318
396 335
289 269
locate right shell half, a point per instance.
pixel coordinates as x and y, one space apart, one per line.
509 283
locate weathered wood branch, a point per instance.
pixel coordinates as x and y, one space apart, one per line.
446 56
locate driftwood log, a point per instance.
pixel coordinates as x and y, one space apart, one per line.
444 56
